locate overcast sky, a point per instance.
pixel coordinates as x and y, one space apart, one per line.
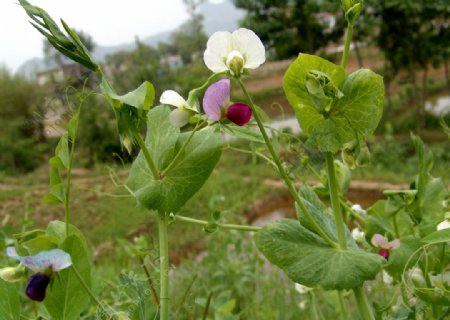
109 22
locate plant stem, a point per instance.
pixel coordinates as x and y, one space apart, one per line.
163 266
281 170
219 225
363 304
69 178
335 204
147 155
149 280
342 305
180 152
348 41
208 303
88 290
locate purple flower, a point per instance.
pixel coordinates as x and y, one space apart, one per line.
36 287
384 245
44 264
217 105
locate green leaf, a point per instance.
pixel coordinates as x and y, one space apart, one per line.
319 213
186 176
308 259
66 297
58 162
72 128
140 98
353 116
441 236
9 301
403 257
57 230
71 46
297 93
242 133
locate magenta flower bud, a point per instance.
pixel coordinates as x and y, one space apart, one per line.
384 253
36 287
239 113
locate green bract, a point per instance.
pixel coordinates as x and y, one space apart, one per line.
186 176
308 259
353 116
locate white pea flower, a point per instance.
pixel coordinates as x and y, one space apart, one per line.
180 116
443 225
387 279
303 304
234 52
416 275
358 209
302 289
358 235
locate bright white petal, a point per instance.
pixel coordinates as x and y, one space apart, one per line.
12 253
301 288
443 225
179 117
248 43
217 49
173 98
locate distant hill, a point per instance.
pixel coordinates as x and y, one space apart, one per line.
217 16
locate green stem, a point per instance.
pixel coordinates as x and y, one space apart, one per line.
363 304
335 204
219 225
163 267
348 41
281 170
180 152
147 155
88 290
314 308
208 303
68 182
342 305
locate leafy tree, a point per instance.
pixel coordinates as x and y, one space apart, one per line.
21 123
289 26
413 37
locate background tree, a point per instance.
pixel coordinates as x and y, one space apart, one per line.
21 123
289 26
410 38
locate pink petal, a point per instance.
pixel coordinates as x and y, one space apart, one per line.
394 244
216 97
379 241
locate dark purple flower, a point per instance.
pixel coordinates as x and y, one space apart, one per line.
239 113
36 287
384 253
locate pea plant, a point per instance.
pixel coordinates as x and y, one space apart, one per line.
403 238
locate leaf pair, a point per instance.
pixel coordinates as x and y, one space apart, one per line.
351 115
186 175
309 260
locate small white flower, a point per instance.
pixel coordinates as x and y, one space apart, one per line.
387 279
234 52
358 209
180 116
301 288
358 235
443 225
303 304
416 275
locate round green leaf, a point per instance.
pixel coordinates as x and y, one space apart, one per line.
308 259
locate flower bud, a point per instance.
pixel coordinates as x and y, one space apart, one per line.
10 274
36 287
235 63
239 113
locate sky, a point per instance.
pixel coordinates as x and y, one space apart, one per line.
109 22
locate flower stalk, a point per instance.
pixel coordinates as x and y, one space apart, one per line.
163 266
